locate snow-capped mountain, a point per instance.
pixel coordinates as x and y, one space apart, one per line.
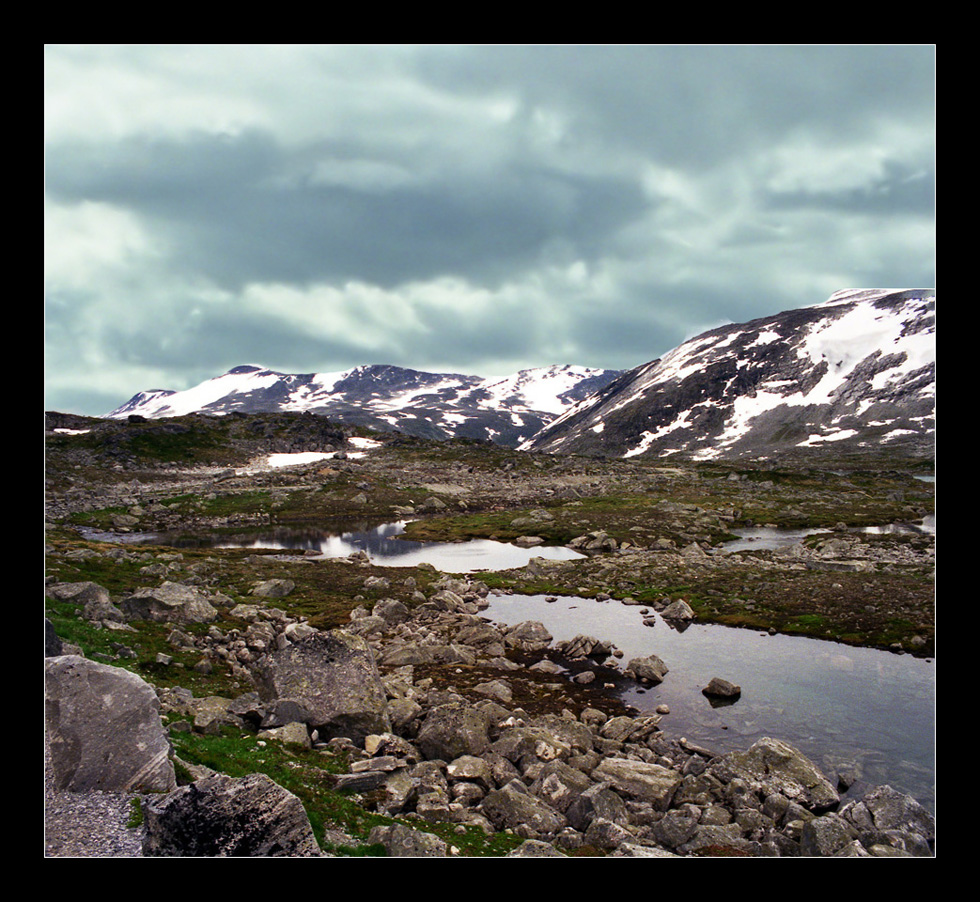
855 372
432 405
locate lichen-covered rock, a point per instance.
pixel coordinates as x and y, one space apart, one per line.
650 669
640 780
779 767
513 807
274 588
225 817
451 730
404 842
170 602
328 680
529 635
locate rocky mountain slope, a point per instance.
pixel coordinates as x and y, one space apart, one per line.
427 405
853 373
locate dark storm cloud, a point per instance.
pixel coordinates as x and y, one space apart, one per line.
235 210
697 105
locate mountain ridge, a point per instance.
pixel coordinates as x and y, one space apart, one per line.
854 370
506 410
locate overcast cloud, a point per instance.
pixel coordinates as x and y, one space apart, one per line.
476 209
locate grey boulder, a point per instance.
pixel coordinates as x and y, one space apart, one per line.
103 729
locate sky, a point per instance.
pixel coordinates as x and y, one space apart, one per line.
475 209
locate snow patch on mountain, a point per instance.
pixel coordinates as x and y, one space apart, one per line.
804 378
433 405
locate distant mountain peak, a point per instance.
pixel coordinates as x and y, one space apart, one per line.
854 372
506 410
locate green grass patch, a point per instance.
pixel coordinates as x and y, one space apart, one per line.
306 773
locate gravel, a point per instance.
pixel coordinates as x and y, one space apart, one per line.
89 824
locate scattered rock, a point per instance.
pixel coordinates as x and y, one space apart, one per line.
719 688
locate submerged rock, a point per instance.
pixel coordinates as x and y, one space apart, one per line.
719 688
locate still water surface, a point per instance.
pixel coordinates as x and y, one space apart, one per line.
837 704
384 547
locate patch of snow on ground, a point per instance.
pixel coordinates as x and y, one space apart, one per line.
746 408
312 395
411 397
539 389
365 444
765 338
72 431
648 438
277 461
897 433
833 437
300 458
851 338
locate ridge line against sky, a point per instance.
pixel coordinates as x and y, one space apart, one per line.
477 209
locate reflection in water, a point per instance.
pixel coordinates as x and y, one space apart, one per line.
767 538
836 703
384 546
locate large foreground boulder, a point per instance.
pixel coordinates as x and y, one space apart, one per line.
104 729
328 680
225 817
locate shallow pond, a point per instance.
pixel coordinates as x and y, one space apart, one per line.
836 703
385 548
767 538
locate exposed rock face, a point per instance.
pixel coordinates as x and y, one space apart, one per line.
223 817
104 729
329 681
